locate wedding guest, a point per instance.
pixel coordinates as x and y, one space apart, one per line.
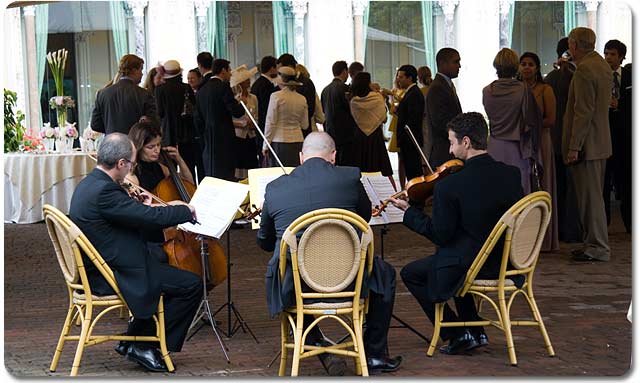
245 148
193 79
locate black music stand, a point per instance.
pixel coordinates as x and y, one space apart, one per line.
204 310
383 230
239 322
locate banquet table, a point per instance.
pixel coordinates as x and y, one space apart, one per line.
32 180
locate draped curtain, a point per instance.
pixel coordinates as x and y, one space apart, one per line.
211 30
42 33
512 10
427 29
119 29
365 28
282 27
217 31
569 16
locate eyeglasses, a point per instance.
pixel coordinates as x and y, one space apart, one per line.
133 163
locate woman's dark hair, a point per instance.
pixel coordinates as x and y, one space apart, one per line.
472 125
142 133
536 61
361 84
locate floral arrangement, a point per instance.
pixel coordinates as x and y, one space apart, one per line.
69 131
62 103
90 134
31 144
48 131
57 63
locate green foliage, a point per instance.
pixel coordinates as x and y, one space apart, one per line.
402 18
13 129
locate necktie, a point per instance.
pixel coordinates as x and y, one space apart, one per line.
616 86
453 89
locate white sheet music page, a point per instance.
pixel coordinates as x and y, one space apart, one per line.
258 181
379 187
216 202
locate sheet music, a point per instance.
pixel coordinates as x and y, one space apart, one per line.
258 181
216 202
378 188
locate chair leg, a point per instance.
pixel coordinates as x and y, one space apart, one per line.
297 347
163 337
361 368
284 337
86 323
506 325
536 314
66 328
436 328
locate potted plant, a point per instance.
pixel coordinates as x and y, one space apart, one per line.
13 129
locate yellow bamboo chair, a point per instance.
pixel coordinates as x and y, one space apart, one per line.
524 226
329 258
69 244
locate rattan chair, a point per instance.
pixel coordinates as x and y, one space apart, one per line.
69 244
330 258
524 226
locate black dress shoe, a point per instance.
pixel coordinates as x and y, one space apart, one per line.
123 347
481 340
333 364
383 364
464 342
584 257
147 357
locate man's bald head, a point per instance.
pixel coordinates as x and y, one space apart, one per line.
318 144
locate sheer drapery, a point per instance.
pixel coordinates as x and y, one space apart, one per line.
282 27
427 28
365 29
119 29
217 32
512 7
42 33
569 16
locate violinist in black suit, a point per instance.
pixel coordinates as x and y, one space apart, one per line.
410 112
112 221
466 206
214 112
442 104
262 88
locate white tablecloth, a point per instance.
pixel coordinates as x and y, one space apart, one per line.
32 180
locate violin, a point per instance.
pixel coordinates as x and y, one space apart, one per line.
183 248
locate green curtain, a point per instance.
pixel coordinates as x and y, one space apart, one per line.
427 29
282 27
512 10
119 29
211 22
221 46
365 28
42 33
569 16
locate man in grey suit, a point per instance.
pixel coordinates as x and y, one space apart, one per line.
586 140
317 183
122 104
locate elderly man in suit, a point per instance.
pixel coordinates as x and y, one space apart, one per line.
262 88
338 120
317 183
442 104
466 207
410 113
123 103
586 141
214 111
112 220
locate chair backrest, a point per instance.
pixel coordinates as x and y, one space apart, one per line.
329 255
525 224
70 243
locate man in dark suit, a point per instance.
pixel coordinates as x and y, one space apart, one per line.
111 220
466 207
215 109
205 62
262 89
122 104
338 120
317 183
308 89
442 104
618 169
410 112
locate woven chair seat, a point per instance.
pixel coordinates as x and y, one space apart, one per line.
492 282
82 297
326 306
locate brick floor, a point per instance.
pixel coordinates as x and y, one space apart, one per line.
584 307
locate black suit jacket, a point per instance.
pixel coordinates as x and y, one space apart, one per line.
112 221
215 108
620 122
442 106
410 112
204 80
466 207
308 90
170 98
316 184
262 88
339 122
121 105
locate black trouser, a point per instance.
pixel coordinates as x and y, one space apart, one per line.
569 228
414 275
192 155
411 158
182 295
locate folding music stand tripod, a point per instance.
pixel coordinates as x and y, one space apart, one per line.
204 310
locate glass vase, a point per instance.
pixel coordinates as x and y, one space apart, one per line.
62 118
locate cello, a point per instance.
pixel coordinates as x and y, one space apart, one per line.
183 248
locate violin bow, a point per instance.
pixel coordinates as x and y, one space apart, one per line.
263 137
415 142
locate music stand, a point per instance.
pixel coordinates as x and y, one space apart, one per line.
239 322
204 308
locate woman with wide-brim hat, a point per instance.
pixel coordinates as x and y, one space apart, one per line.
246 155
287 117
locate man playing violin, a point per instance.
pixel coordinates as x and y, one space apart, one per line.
466 206
112 220
317 183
